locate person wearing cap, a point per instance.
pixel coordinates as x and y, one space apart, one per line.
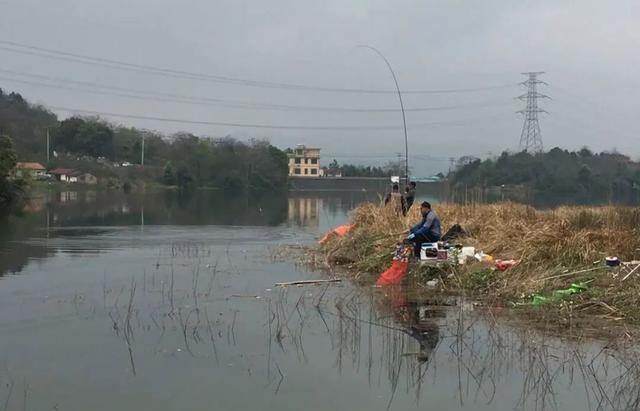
427 230
396 200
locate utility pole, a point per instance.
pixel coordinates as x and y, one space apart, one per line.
142 152
48 145
531 137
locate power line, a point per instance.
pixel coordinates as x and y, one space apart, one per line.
26 49
389 156
89 87
261 126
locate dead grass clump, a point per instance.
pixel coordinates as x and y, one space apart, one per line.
546 241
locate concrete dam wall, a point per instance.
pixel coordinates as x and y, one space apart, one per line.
351 184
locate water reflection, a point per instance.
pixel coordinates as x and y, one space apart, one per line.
51 217
463 359
304 211
183 317
418 318
68 196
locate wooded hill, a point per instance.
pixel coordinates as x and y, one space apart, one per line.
182 159
583 174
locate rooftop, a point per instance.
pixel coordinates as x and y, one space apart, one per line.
30 166
58 171
302 151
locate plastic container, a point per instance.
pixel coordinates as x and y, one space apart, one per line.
484 258
429 252
612 261
465 254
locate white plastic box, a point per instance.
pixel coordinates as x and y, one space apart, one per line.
429 252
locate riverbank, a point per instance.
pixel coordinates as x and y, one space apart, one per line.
379 185
555 249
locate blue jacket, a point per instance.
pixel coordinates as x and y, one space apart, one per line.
430 225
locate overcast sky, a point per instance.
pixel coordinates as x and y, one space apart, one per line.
589 49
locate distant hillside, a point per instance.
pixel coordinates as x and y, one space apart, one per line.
26 124
183 159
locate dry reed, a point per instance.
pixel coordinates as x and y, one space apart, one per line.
546 242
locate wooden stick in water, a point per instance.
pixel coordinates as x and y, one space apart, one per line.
302 282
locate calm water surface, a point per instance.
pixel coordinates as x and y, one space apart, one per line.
166 302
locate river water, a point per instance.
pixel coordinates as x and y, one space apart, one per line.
167 302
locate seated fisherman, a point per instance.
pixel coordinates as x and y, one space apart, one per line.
427 230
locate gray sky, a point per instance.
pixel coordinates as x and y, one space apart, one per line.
589 50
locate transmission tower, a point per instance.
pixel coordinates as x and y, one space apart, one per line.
531 137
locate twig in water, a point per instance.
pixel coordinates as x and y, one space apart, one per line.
303 282
26 394
183 326
212 278
171 291
211 337
281 378
233 326
6 401
104 289
194 283
322 296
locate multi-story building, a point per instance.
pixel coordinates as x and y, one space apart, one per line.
304 162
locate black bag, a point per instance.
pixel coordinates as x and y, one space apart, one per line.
455 232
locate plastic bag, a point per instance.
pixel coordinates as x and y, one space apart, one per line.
339 231
503 265
394 274
576 288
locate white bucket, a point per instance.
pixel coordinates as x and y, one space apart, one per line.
465 254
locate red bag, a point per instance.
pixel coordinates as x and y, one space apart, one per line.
394 274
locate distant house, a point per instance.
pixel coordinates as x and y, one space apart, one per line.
64 175
432 179
304 161
85 178
30 170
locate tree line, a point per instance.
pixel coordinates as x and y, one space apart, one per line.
392 168
582 174
10 189
182 159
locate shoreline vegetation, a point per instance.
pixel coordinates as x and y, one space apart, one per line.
549 178
117 154
556 248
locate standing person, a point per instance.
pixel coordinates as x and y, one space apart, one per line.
410 194
427 230
397 200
